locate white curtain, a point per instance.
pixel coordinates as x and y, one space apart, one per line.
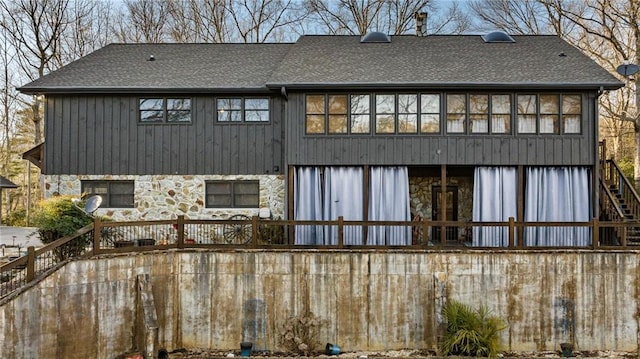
558 194
494 200
343 197
308 205
389 201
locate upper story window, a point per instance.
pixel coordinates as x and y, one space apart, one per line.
165 110
240 109
232 194
115 194
452 113
390 113
549 113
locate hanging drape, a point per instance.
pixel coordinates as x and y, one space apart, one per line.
343 187
308 205
558 194
494 200
389 201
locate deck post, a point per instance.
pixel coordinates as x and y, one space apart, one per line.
97 230
254 230
340 231
31 263
512 232
595 242
180 243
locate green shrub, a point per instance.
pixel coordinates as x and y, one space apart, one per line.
470 332
300 334
16 218
57 217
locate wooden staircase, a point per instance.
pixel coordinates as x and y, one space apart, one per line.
619 202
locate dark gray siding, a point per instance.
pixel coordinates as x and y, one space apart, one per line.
438 149
101 135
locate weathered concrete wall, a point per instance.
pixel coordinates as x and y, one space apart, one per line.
369 300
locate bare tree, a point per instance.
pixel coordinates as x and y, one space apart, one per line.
35 28
610 32
263 20
143 21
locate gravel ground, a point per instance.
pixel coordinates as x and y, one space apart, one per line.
410 354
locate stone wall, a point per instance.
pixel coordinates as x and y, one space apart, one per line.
367 300
160 197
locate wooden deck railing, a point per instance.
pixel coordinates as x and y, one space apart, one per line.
37 262
614 178
114 237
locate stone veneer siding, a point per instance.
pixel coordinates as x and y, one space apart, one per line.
160 197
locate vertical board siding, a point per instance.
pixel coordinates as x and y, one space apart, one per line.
101 135
481 149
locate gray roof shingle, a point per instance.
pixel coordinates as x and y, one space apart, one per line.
439 60
181 67
443 61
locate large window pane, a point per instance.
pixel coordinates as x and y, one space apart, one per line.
527 113
115 194
229 109
408 113
501 113
385 114
256 110
360 114
337 114
549 113
479 113
430 113
230 194
456 113
571 113
315 111
151 110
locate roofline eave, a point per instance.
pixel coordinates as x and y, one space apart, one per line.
140 90
450 86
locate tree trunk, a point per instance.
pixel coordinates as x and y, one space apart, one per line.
636 154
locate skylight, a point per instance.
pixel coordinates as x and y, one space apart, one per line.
497 36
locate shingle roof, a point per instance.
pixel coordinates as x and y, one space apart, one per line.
182 67
445 61
439 60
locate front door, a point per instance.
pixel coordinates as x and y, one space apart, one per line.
451 196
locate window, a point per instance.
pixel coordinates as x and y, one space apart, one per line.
527 113
456 113
360 114
115 194
479 113
232 194
571 113
315 114
165 110
430 113
385 114
239 109
549 113
408 113
337 114
500 114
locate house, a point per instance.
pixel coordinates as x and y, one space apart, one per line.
440 127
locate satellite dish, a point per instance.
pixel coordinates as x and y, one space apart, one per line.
627 69
92 204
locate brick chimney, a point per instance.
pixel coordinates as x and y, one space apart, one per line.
421 23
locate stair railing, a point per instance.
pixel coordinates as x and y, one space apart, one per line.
611 211
614 177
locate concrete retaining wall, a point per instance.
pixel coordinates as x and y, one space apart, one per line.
369 300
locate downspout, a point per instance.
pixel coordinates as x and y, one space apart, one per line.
597 166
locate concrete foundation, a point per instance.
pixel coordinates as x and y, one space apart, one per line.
368 300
